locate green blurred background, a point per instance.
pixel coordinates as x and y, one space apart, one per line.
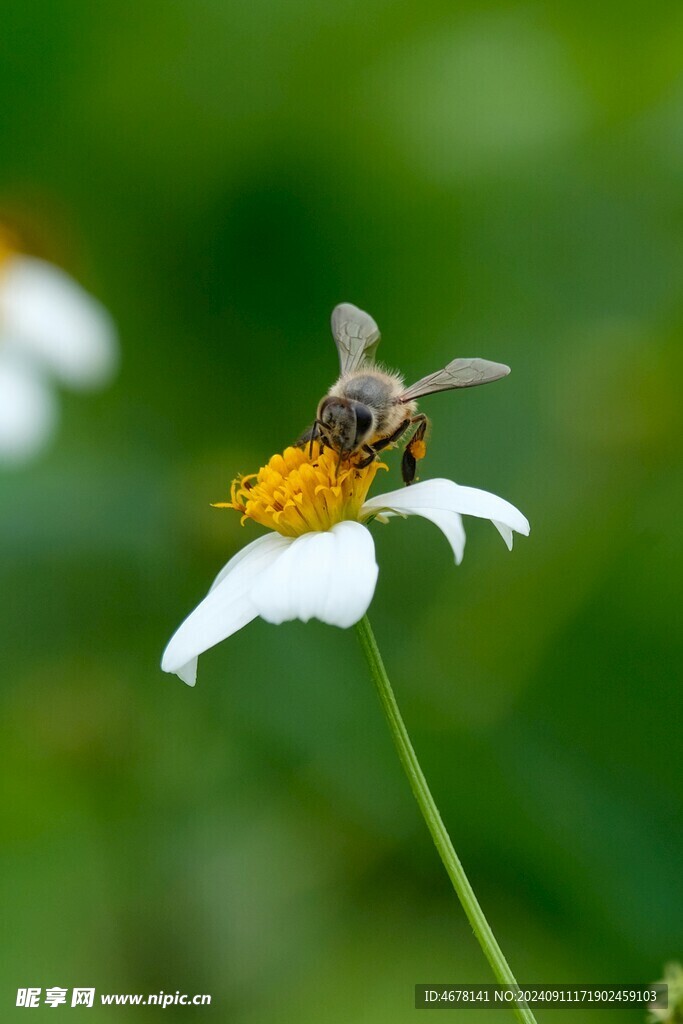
492 179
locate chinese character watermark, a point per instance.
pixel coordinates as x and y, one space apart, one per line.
83 997
28 996
55 996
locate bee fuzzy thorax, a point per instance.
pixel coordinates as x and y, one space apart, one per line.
373 385
379 390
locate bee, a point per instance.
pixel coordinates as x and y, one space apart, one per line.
369 409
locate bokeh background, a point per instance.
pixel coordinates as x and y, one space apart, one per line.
493 179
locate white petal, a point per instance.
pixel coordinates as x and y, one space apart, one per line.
46 314
329 576
188 672
225 609
450 524
28 410
446 496
505 532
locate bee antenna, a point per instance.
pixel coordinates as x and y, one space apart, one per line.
317 435
314 434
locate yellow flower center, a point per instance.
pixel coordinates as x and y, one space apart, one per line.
296 493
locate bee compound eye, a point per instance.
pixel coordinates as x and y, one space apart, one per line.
324 411
364 422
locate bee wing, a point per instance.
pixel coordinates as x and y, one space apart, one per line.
461 373
356 335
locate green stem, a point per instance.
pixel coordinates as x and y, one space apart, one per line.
430 812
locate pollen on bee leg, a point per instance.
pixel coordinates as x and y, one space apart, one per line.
418 449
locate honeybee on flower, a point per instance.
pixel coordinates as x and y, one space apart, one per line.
318 558
51 331
369 409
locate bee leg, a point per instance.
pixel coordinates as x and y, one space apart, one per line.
393 438
373 450
414 450
303 438
371 456
309 434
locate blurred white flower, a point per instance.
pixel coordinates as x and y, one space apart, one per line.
673 1012
320 560
51 331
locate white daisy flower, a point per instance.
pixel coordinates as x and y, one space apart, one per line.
50 330
673 979
319 561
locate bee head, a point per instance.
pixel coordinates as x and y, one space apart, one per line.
346 424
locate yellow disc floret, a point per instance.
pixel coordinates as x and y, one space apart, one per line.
298 493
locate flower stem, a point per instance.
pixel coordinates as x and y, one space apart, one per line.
430 813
